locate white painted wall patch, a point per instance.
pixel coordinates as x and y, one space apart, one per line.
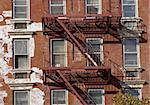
7 13
1 18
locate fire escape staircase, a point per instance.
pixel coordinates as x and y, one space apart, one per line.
87 50
78 39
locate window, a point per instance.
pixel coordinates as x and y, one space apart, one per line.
59 55
134 92
21 53
57 7
97 95
59 97
132 74
95 50
129 8
20 9
131 55
21 97
20 26
93 6
21 75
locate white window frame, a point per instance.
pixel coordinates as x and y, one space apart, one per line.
66 96
137 52
103 97
139 91
136 9
99 6
28 54
101 49
14 95
28 10
51 52
52 5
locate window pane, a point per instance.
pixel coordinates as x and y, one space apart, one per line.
92 1
20 2
21 75
21 61
95 44
57 1
59 97
58 53
95 51
18 15
21 98
56 9
20 12
131 73
131 59
21 47
59 60
133 92
128 1
92 9
96 96
129 10
58 46
21 9
130 45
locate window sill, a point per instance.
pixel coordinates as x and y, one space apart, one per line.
21 70
131 19
139 69
135 83
20 32
20 21
20 86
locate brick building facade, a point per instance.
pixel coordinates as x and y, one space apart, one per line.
73 52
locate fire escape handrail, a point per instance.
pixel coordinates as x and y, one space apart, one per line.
70 86
77 43
84 91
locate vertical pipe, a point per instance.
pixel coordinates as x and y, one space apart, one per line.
110 7
79 2
72 7
120 7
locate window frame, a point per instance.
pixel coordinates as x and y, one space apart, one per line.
99 7
101 49
51 52
14 95
137 52
136 10
136 89
28 53
103 96
28 10
66 96
53 5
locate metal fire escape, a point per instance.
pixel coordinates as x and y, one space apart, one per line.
75 29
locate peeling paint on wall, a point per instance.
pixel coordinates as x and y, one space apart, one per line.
32 47
2 95
1 18
5 55
37 97
36 75
36 27
7 13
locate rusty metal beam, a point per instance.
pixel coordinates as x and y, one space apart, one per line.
70 86
99 68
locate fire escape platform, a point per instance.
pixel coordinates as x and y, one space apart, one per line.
92 25
86 75
107 26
